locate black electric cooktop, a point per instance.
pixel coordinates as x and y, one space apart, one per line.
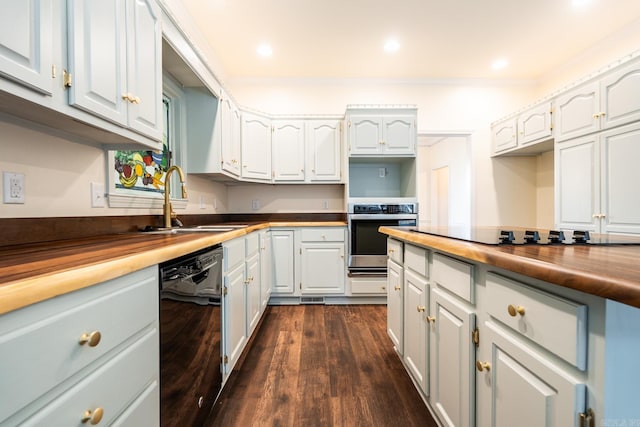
524 236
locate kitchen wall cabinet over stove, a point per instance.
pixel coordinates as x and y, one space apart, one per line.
382 131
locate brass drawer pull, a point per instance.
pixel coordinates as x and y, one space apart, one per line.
93 417
421 308
514 310
397 287
483 366
431 319
91 338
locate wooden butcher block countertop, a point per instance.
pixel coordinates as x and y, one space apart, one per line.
611 272
36 272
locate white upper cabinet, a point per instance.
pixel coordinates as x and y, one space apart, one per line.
504 135
620 96
26 50
324 151
529 132
612 100
578 112
256 147
535 124
382 132
230 132
115 62
288 150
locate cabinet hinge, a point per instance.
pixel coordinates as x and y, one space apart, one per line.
349 123
225 359
551 127
475 337
66 78
300 251
300 285
53 71
587 419
224 290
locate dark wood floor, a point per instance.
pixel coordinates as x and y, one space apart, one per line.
316 365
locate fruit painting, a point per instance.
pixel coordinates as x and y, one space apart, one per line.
141 170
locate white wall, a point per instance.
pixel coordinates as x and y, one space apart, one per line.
58 173
286 198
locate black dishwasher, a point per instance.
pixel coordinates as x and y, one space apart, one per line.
190 337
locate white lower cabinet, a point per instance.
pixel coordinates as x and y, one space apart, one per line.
416 343
69 355
266 261
282 243
321 259
252 282
234 298
524 387
395 305
452 357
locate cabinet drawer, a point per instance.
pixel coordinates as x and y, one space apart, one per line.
322 234
112 386
394 250
233 253
416 259
453 275
555 323
252 243
369 285
39 345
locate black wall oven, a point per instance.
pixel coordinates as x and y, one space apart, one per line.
367 246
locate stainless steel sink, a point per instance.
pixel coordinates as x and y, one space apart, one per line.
198 229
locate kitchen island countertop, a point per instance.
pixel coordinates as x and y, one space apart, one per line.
32 273
611 272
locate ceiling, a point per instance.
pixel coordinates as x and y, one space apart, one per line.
439 39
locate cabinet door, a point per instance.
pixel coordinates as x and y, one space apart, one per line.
283 268
504 135
322 268
399 135
256 147
526 387
144 67
452 355
415 327
235 319
620 175
395 305
577 112
230 135
26 50
288 150
620 96
578 183
98 58
252 282
266 261
323 150
365 135
535 124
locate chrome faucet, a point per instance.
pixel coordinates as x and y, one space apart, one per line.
168 210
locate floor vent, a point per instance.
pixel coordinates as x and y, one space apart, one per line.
311 300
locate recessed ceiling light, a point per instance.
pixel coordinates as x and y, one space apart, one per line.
391 45
580 3
264 50
499 64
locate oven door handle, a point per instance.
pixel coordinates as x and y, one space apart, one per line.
382 216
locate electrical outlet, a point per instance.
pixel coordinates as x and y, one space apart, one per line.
255 204
325 204
203 204
13 187
97 195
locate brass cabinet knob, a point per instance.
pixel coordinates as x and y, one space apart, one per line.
397 287
90 338
483 366
421 308
514 310
431 319
93 417
391 251
384 288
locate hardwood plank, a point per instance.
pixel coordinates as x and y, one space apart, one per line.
321 365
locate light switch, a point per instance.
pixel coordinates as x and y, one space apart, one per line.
97 195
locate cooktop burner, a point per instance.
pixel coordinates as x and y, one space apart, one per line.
523 236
